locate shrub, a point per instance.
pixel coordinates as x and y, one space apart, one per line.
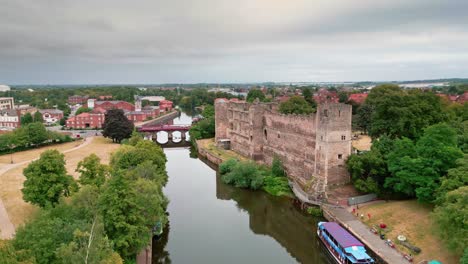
277 169
277 186
244 175
227 166
315 211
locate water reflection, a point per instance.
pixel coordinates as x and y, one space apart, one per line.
212 222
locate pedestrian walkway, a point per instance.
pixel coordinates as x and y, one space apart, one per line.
7 229
362 232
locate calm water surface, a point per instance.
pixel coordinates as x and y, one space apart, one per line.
211 222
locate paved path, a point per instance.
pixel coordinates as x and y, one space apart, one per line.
7 229
362 232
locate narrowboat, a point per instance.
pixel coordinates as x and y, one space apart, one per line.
342 246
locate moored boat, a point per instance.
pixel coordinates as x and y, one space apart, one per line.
344 247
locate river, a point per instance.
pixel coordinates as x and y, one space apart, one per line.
211 222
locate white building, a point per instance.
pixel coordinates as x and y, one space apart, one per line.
7 103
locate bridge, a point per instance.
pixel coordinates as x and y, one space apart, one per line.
151 133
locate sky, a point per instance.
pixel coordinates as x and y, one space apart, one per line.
226 41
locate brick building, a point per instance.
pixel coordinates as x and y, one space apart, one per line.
77 99
165 106
313 148
358 98
93 119
10 119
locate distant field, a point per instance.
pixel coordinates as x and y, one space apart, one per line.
412 220
11 182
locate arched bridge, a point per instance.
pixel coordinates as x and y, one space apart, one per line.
151 133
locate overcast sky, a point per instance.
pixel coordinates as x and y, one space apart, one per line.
187 41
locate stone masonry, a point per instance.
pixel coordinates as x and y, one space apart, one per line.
313 148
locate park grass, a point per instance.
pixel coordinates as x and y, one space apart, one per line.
413 220
34 153
362 143
11 182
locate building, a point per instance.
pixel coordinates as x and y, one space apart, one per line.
77 99
107 105
313 148
9 119
326 96
4 88
165 106
51 116
24 109
7 103
358 98
105 97
93 119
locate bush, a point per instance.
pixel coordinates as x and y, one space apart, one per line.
244 175
315 211
277 186
277 169
227 166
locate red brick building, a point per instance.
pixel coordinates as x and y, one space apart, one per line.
77 99
93 119
107 105
165 106
323 95
358 98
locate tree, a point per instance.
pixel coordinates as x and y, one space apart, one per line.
308 96
129 157
37 133
83 109
277 168
296 105
417 168
92 171
63 121
451 217
130 209
26 119
208 111
456 178
47 180
244 175
400 113
117 126
368 171
254 94
343 96
38 117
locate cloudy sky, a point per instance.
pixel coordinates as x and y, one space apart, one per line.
186 41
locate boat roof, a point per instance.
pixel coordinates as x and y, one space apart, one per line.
359 253
343 237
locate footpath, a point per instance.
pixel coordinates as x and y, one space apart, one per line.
362 232
7 229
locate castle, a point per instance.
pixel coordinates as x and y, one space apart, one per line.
313 148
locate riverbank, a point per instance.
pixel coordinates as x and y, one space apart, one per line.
208 150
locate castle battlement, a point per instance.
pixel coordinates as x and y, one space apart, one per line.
313 148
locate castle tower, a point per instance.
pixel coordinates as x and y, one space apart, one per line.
333 144
137 103
221 119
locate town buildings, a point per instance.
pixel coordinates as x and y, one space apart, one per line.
358 98
77 99
313 148
7 103
9 119
51 116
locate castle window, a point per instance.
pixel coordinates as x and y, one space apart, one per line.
343 137
279 136
265 133
250 138
339 113
325 113
232 126
321 137
340 156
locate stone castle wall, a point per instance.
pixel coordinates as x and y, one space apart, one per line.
313 148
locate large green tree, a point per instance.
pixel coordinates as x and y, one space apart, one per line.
38 117
83 109
417 168
117 126
296 105
456 178
47 180
26 119
451 217
254 94
37 133
401 113
92 171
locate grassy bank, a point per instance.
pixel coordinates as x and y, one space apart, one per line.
414 221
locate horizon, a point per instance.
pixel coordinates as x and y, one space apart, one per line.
211 41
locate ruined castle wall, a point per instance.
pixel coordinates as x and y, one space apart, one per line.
292 139
221 119
333 142
240 127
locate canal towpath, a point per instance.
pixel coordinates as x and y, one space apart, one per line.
362 232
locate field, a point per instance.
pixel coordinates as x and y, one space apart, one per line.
11 181
413 220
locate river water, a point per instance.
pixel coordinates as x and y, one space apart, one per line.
211 222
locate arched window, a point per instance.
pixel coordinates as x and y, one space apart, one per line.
265 133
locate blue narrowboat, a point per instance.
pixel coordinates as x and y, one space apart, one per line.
343 247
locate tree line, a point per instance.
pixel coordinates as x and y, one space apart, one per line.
419 151
104 217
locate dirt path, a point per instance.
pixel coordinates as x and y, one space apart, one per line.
7 229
